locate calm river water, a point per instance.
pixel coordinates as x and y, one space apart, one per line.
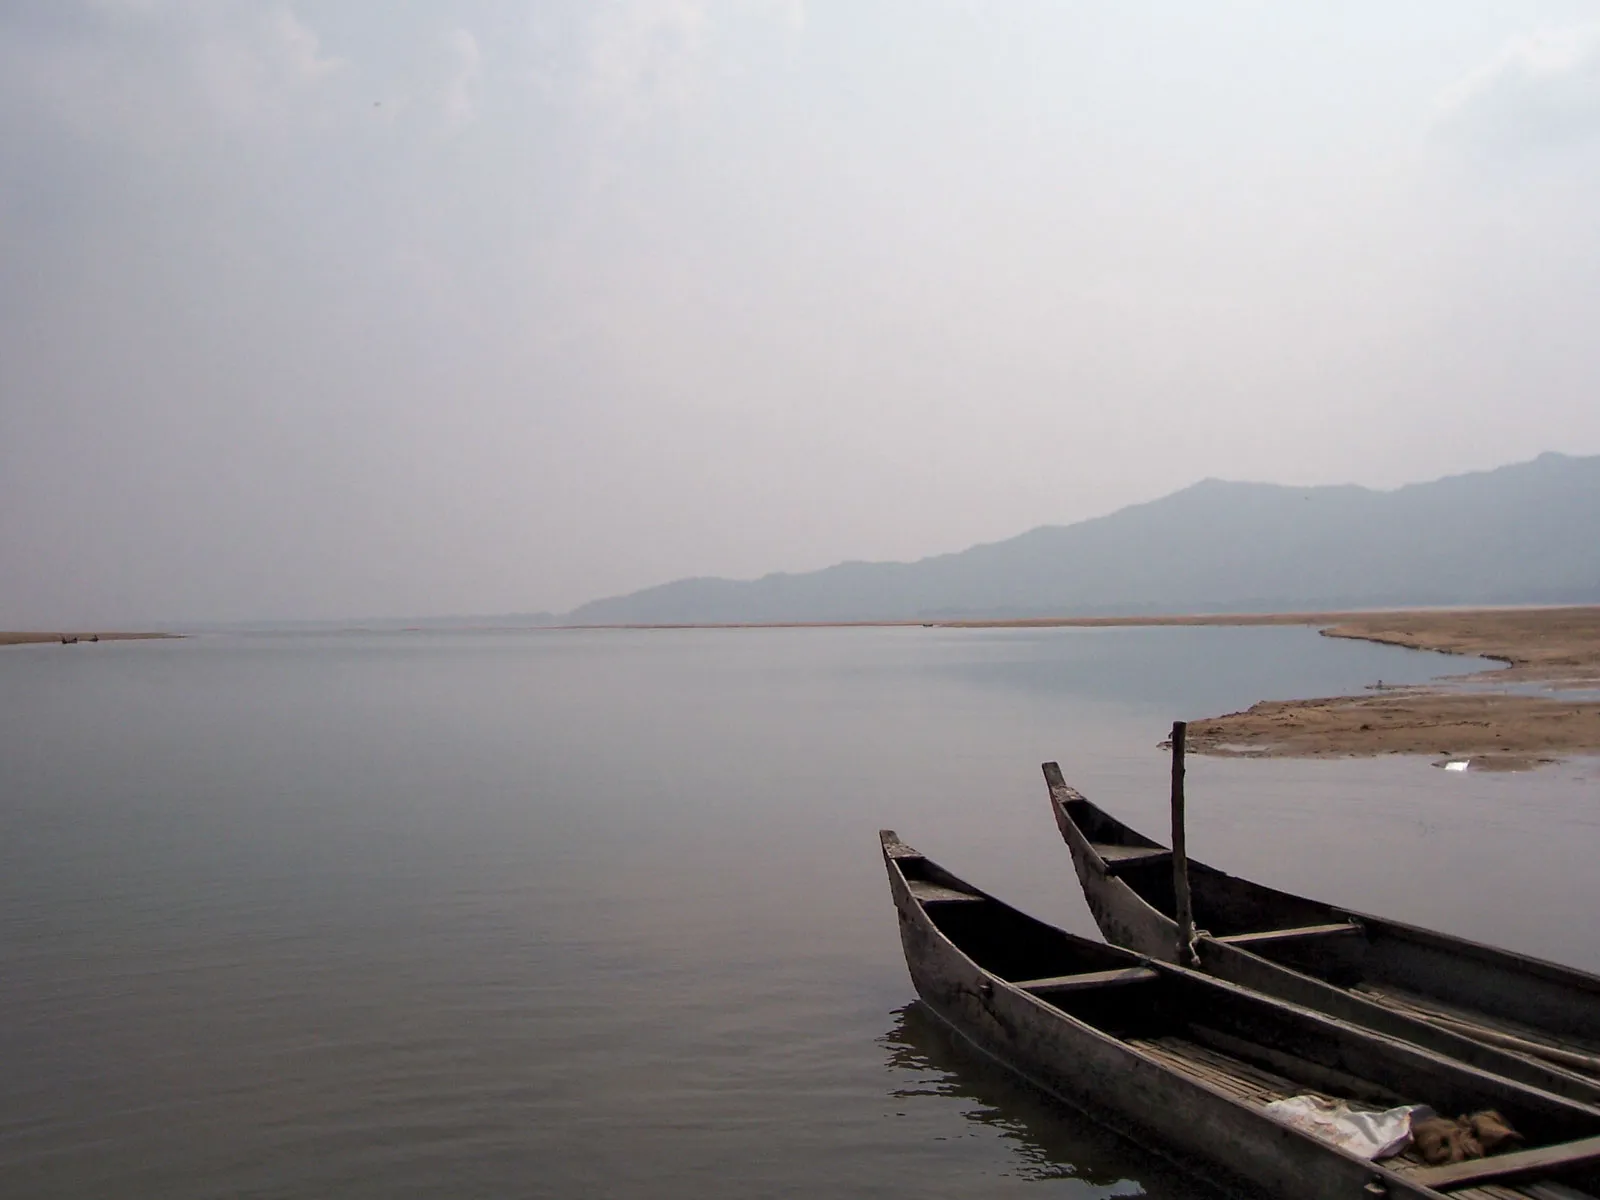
602 914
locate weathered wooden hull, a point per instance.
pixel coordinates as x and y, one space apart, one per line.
1486 983
1229 1143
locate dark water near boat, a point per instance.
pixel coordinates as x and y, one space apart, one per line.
601 914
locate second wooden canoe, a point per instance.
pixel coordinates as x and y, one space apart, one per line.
1521 1017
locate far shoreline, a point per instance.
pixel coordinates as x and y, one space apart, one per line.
15 637
1471 717
1328 617
1550 652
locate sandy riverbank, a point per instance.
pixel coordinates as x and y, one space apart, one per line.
14 638
1471 717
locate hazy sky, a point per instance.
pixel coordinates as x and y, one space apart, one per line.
379 308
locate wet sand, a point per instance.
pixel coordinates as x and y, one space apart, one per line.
1475 717
1560 646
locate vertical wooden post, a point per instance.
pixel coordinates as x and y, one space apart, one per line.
1180 855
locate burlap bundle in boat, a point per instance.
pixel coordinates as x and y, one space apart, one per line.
1440 1140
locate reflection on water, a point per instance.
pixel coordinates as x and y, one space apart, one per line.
1048 1141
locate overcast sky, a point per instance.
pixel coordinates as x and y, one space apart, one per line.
378 308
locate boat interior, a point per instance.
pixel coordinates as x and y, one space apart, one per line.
1223 905
1398 968
1389 964
1257 1050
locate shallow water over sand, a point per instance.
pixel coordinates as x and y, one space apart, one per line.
568 913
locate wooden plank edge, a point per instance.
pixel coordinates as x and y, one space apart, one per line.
1502 1166
1089 979
1265 936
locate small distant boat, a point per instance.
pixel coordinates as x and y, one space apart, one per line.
1186 1064
1521 1017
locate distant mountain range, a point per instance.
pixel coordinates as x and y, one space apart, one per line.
1522 534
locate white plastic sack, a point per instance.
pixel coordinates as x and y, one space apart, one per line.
1365 1132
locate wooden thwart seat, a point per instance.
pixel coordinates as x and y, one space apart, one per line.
1121 858
928 893
1266 936
1089 979
1505 1166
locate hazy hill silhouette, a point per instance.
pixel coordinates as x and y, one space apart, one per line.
1522 534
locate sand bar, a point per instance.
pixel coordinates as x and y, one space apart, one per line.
24 638
1479 717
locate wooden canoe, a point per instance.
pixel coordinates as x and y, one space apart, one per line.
1184 1063
1520 1017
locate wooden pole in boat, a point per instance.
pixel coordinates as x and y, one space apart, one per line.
1180 854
